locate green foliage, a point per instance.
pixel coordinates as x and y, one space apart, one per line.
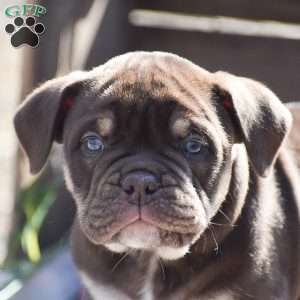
33 206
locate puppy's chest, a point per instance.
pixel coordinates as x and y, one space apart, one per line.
100 291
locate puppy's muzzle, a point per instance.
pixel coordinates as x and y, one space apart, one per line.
140 186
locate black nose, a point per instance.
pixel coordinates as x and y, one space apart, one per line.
143 183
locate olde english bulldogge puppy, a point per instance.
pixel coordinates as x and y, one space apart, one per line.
183 184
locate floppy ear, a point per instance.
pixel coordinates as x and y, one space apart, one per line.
263 120
39 120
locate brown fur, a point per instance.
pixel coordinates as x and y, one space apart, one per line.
232 211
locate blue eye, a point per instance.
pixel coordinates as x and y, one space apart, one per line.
194 146
92 144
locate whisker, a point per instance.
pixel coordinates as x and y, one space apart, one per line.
120 260
214 239
225 216
162 267
220 224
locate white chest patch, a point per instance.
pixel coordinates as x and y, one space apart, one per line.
147 292
223 295
104 292
101 292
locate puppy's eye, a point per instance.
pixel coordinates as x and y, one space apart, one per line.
92 144
194 146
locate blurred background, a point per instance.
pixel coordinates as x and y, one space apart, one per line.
258 39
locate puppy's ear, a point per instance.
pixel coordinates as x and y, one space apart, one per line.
263 120
39 120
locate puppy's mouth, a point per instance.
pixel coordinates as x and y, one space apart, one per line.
142 235
148 227
140 219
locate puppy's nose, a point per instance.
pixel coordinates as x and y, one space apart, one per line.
142 183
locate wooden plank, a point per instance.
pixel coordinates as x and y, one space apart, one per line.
286 11
211 24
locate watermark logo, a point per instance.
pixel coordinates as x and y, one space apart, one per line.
24 28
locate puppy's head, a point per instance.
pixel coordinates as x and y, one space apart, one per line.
148 140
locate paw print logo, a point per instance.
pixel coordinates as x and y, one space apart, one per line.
25 32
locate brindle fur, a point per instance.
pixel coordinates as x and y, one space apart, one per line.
237 210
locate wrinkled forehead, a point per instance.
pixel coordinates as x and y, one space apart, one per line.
141 114
157 92
138 76
138 109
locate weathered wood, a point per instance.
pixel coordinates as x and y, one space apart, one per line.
285 11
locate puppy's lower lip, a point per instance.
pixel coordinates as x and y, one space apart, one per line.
140 225
140 234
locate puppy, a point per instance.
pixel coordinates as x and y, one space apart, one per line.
184 188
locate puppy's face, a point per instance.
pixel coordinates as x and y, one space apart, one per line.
147 145
143 172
